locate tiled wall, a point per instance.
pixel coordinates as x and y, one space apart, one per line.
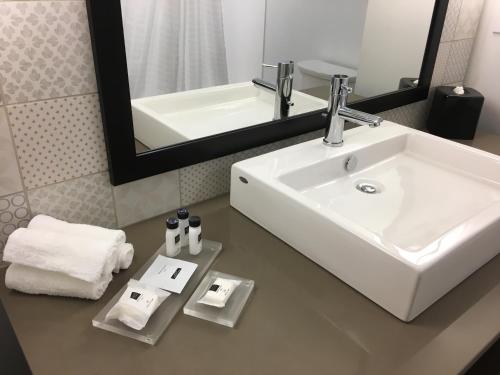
52 154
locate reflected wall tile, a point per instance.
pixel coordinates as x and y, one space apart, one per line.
413 115
147 198
46 51
58 139
450 23
10 180
458 60
86 200
440 66
468 21
14 213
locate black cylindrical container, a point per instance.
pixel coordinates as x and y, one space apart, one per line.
455 116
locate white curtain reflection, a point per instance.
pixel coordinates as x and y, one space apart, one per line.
173 45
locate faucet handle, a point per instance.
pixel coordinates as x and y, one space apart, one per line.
285 69
346 89
270 66
340 85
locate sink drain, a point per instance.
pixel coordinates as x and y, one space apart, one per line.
367 187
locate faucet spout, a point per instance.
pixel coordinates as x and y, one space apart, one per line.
360 118
338 113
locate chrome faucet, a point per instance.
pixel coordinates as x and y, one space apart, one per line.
338 113
282 89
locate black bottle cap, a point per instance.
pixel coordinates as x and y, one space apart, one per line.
182 213
172 223
194 221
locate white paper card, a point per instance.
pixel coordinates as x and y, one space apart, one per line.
169 273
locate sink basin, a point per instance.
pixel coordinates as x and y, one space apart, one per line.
168 119
400 215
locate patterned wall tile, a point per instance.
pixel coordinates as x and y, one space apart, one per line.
147 198
450 23
468 21
458 60
58 139
46 50
212 178
10 180
14 213
205 180
86 200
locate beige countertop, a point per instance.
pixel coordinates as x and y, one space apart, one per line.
300 319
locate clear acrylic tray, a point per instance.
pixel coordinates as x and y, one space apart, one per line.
229 314
160 320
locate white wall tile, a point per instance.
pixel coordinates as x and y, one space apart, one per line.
468 21
451 20
10 180
58 139
46 50
147 198
85 200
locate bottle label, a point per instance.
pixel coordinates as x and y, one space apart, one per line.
186 231
177 238
199 238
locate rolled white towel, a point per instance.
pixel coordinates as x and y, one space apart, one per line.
44 222
80 257
35 281
126 252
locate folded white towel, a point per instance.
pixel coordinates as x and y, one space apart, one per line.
125 251
35 281
80 257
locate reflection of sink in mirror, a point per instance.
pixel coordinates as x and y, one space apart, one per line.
372 42
404 221
168 119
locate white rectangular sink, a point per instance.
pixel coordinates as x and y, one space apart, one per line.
168 119
433 219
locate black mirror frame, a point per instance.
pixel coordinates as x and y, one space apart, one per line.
106 29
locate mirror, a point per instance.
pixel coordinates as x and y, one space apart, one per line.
181 71
191 64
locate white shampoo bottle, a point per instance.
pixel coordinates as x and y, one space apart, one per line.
195 240
172 237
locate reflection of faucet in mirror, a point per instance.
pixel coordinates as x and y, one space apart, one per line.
282 89
338 113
